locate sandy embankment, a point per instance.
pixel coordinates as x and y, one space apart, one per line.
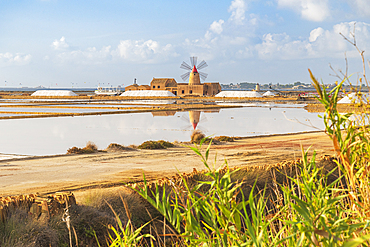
80 172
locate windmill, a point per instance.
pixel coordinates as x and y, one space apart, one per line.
194 117
193 73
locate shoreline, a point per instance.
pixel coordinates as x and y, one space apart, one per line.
14 157
68 172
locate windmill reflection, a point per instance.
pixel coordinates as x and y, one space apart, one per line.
194 116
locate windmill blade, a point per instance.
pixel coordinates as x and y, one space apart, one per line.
193 61
184 65
185 117
202 65
203 75
185 76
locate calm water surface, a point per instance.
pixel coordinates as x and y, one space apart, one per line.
47 136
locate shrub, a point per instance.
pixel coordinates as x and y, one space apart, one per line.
197 136
166 144
74 150
150 145
114 147
224 138
90 148
155 145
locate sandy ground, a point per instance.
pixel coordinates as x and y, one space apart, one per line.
83 172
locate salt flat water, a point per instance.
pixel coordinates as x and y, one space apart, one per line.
48 136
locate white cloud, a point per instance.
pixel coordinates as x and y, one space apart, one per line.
60 44
17 59
312 10
127 50
331 43
89 56
314 34
216 26
237 9
362 6
149 51
281 47
320 43
227 38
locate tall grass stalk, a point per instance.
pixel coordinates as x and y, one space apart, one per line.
350 137
217 212
210 213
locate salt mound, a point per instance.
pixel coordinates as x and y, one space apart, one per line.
352 98
239 94
268 93
148 93
54 93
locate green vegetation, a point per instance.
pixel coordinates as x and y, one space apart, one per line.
156 145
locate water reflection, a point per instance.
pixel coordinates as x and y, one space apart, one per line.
194 117
48 136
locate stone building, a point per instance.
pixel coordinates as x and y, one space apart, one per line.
194 87
136 87
168 84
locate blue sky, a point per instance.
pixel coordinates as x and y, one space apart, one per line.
64 43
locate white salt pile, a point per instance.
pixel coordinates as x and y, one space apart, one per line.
352 98
53 93
239 94
268 94
148 93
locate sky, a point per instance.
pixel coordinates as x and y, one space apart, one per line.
68 43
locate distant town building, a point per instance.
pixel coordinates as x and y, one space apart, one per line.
258 87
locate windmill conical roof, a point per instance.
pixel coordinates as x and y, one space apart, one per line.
194 70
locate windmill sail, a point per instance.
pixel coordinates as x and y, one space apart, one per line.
202 65
184 65
185 76
203 75
193 62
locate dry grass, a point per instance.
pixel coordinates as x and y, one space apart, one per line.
225 138
114 147
88 149
197 136
93 214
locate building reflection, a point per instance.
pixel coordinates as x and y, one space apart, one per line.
163 113
194 116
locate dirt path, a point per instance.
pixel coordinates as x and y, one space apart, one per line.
81 172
